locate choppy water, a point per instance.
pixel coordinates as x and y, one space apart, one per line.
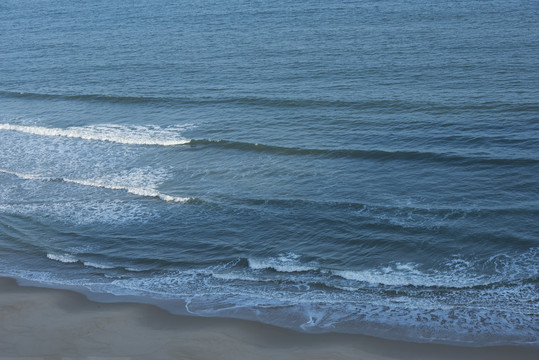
365 166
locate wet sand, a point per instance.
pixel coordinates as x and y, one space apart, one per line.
42 323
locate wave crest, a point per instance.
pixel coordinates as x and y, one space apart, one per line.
129 135
368 154
380 104
286 263
140 191
64 258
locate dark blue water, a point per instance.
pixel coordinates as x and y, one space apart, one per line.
364 166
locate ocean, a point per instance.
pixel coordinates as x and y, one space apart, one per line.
366 167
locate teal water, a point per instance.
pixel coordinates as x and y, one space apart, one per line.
363 167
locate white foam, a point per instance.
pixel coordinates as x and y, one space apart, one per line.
381 277
140 191
284 263
132 190
111 212
70 259
132 269
232 276
130 135
23 175
97 266
64 258
456 275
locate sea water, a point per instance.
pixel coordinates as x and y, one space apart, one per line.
364 167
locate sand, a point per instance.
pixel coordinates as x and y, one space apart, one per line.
41 323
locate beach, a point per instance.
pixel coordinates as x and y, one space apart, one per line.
42 323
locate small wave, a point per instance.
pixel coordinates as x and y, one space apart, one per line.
456 273
371 154
129 135
131 190
287 263
64 258
399 275
114 99
70 259
97 266
146 192
380 105
233 276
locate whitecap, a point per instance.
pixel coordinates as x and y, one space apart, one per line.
97 266
129 135
98 183
283 263
64 258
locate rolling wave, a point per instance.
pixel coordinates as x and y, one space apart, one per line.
287 263
372 154
157 136
404 215
139 191
457 273
132 135
362 208
384 105
70 259
63 258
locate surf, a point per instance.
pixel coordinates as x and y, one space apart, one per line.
139 191
127 135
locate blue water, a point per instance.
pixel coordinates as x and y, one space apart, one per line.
365 167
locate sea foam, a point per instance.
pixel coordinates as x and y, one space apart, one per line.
287 263
64 258
135 190
129 135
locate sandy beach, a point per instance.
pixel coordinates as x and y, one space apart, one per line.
42 323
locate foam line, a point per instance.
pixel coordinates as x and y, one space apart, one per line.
286 263
132 190
64 258
137 135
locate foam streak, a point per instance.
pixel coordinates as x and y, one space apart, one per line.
146 192
138 135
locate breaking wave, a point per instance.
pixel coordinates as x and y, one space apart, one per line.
139 191
129 135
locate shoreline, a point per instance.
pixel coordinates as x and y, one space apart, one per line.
40 322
